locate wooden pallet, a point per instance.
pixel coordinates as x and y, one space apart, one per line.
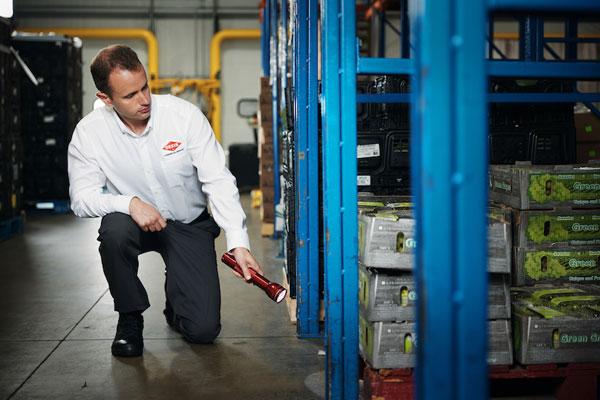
562 382
292 306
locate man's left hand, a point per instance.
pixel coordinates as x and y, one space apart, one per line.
245 259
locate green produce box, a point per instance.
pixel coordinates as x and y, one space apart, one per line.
556 324
559 265
393 344
386 239
554 228
528 187
386 295
499 240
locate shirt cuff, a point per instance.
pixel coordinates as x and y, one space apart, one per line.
121 203
237 238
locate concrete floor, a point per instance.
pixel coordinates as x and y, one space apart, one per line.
57 324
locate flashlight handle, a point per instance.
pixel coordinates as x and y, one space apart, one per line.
255 277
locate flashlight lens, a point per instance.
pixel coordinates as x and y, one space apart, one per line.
281 296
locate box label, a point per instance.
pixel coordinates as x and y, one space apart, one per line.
566 266
571 229
580 189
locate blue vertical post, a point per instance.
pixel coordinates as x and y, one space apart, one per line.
274 19
531 38
340 197
571 36
405 29
450 109
332 221
265 39
381 39
349 203
307 163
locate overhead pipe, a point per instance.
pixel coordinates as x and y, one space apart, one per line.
112 33
212 84
215 69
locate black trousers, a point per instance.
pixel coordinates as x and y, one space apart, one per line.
192 283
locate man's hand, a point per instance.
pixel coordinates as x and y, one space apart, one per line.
245 260
147 217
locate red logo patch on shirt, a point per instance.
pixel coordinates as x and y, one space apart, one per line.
171 146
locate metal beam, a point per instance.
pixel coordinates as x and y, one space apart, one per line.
450 136
544 69
307 168
545 5
374 66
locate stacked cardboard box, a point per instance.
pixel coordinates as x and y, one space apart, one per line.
267 179
587 126
387 293
556 240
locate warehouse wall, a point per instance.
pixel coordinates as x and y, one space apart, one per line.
184 50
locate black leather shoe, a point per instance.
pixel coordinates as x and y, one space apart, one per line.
129 341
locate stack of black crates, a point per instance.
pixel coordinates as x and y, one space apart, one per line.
11 147
50 110
383 139
542 133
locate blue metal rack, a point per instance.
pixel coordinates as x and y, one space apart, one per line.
449 75
307 166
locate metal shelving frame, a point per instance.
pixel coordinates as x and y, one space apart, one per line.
449 74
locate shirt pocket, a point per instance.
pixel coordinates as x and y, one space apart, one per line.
178 169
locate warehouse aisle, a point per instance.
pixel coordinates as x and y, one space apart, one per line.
57 324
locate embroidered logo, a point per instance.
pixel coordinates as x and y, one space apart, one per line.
171 146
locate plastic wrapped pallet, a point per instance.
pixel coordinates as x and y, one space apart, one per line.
556 324
393 344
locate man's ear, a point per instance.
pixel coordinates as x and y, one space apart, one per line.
105 98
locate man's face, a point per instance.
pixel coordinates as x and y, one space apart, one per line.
130 94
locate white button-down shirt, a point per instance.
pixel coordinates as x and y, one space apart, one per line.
176 165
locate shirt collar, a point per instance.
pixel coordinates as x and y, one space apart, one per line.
125 129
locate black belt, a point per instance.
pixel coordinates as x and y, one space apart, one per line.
202 217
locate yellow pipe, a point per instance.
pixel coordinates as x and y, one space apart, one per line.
215 69
110 33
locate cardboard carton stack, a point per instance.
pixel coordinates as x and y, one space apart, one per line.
267 180
587 126
556 271
387 293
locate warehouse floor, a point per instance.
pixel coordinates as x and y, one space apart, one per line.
57 325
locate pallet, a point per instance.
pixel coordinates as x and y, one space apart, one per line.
292 304
562 382
50 206
11 226
267 229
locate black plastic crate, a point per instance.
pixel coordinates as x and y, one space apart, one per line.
498 85
384 161
539 145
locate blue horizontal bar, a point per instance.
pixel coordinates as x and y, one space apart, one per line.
545 69
574 40
383 98
375 66
545 5
543 97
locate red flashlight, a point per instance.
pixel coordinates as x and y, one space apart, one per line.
274 290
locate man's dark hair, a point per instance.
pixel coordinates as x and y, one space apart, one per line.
110 58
